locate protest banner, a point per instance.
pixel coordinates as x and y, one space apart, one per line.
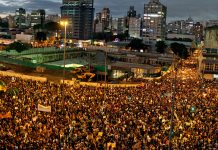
44 108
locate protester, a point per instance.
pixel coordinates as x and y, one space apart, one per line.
85 117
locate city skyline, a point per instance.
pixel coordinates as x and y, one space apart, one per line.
175 11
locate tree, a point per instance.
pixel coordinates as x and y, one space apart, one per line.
137 44
4 24
52 26
40 36
161 46
180 50
107 36
18 46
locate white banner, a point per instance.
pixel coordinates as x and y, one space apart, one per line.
44 108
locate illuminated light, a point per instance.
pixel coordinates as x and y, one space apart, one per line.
152 15
64 23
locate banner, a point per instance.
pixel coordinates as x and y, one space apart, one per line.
3 88
44 108
7 115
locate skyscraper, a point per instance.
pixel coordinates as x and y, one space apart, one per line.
154 21
105 17
131 12
79 14
37 17
20 18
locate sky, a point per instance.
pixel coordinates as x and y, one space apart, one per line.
199 10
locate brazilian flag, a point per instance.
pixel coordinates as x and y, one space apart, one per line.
13 91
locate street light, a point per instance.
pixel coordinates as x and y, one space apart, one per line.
64 23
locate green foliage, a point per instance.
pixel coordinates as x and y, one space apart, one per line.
4 24
107 36
13 91
18 46
121 36
52 26
161 46
37 27
180 50
40 36
137 44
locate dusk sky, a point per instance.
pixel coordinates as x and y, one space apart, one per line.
177 9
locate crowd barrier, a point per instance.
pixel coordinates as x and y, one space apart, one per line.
24 77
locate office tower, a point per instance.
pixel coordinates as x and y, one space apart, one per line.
20 18
189 26
53 18
198 31
37 17
102 21
121 25
131 12
176 27
154 20
105 18
80 15
114 26
135 27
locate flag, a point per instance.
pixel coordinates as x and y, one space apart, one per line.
44 108
3 88
7 115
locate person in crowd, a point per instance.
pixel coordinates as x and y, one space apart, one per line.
87 117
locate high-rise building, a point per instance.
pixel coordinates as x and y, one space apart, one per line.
122 25
53 18
102 21
135 27
131 12
198 31
79 14
105 17
37 17
154 20
176 27
20 18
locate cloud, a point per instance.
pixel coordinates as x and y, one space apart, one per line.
9 6
177 9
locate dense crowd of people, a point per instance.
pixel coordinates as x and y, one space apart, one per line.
85 117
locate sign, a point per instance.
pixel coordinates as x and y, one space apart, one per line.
215 76
44 108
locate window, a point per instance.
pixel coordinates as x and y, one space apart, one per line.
216 67
208 67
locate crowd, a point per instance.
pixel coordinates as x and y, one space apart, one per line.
85 117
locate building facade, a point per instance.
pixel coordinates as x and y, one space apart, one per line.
198 31
135 27
209 63
20 18
131 12
37 17
80 15
154 21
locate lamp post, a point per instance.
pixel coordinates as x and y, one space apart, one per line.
64 23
